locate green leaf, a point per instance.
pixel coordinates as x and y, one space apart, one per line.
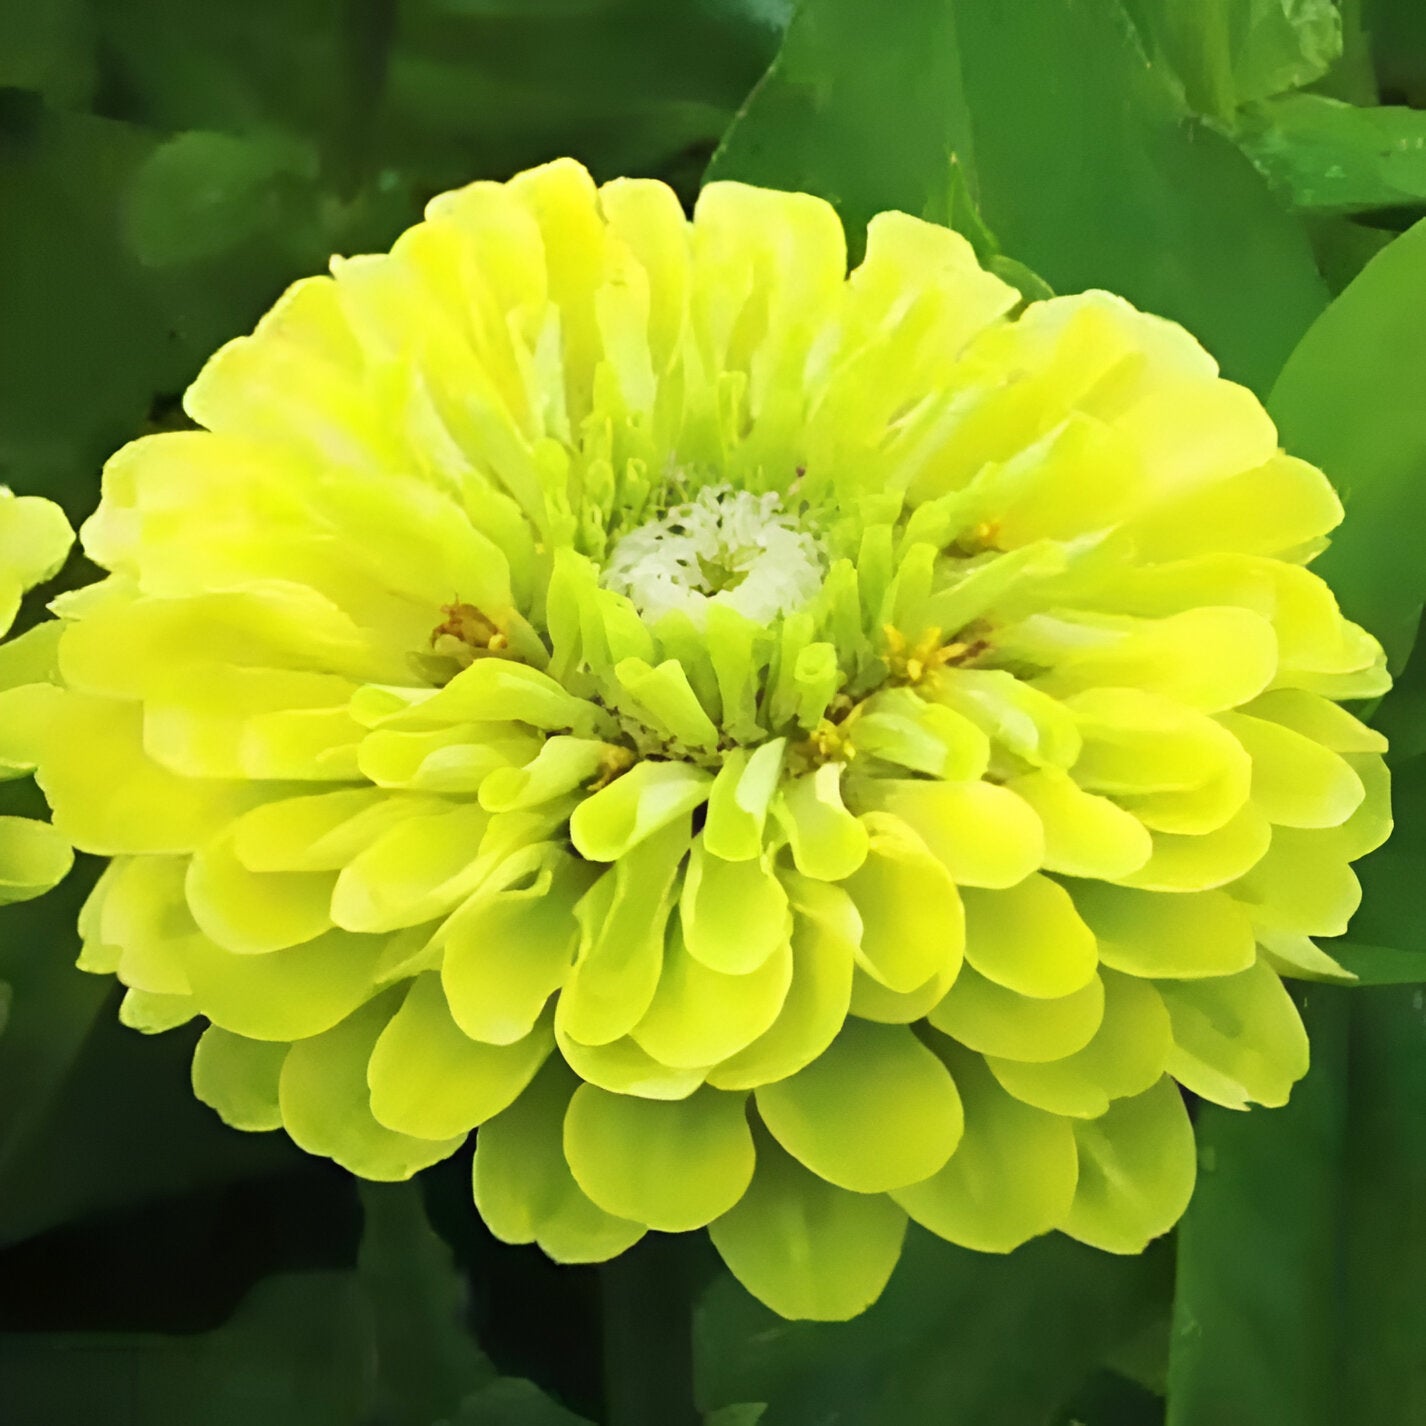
48 46
512 1401
1325 155
1384 1224
1254 1304
1388 934
86 340
1301 1256
1349 400
294 1354
1083 158
200 194
1231 52
426 1363
95 1116
842 114
957 1337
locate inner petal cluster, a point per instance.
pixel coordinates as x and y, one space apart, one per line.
725 546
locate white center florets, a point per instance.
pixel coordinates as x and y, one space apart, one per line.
724 546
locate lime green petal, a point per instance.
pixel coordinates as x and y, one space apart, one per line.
238 1078
913 926
1128 1053
700 1017
510 947
323 831
1138 743
1296 781
1188 863
646 799
1317 718
33 858
871 1000
1029 938
1167 936
454 758
877 1110
995 1021
490 690
623 1066
416 869
1271 509
214 720
984 835
1237 1039
138 908
805 1247
734 914
289 994
1029 724
34 538
1301 957
828 843
1208 658
326 1106
817 1000
1303 886
675 1165
740 799
524 1189
430 1080
111 798
151 1014
254 912
1085 834
1137 1164
931 738
1011 1178
622 919
560 766
665 701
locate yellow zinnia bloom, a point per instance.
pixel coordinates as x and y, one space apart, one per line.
779 750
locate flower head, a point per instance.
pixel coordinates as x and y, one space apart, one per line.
777 750
34 541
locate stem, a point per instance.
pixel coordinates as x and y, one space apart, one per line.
648 1336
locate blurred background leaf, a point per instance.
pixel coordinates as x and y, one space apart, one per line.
1081 156
957 1337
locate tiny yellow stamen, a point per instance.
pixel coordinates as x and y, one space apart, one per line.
615 761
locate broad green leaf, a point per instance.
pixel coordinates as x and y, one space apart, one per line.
1091 170
1301 1256
294 1354
957 1337
1083 158
200 194
1383 1224
1256 1294
1322 154
1348 400
512 1401
49 47
1231 52
92 1115
842 114
426 1361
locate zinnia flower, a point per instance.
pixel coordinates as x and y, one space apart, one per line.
34 541
778 750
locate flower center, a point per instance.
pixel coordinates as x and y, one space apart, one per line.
724 546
